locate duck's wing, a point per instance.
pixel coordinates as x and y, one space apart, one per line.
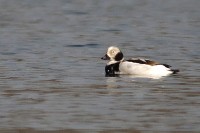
147 62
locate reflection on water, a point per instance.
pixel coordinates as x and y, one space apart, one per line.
52 77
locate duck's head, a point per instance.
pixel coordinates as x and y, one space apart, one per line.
113 54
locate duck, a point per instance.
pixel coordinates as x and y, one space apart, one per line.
117 65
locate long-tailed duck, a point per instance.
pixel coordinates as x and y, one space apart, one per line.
139 67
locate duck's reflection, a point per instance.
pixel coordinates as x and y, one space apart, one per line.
115 76
112 82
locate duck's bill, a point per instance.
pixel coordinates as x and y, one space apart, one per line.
105 57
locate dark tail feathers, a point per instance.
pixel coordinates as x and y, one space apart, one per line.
175 71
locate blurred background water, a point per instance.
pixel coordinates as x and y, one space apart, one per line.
51 75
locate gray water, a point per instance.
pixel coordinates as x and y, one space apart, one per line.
52 77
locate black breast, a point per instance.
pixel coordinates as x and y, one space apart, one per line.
112 69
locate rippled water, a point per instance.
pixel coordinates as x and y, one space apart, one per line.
52 78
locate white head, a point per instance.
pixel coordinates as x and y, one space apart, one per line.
113 54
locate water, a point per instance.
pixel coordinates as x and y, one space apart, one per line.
52 78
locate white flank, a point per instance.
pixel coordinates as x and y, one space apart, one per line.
143 69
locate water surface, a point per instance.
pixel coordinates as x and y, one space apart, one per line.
52 78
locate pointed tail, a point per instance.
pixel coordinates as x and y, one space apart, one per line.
175 71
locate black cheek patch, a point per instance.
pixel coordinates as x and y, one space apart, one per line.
119 56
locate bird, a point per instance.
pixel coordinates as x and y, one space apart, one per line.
117 65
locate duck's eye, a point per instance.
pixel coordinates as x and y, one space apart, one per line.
112 51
